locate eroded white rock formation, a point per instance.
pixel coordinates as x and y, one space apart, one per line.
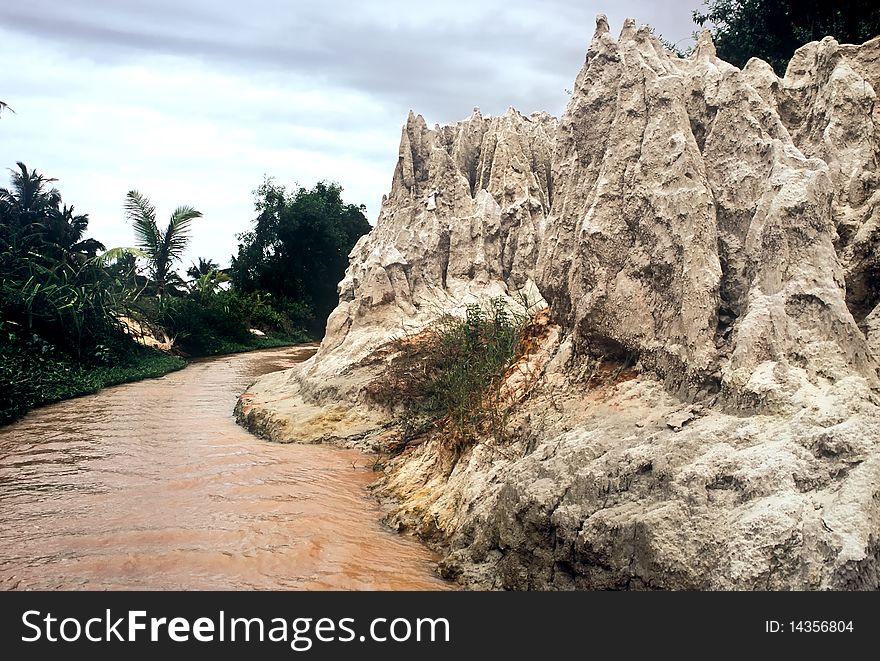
691 229
464 219
717 226
463 223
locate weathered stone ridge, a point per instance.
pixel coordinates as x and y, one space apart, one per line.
692 231
464 220
709 232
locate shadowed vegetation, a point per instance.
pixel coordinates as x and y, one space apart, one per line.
774 29
298 249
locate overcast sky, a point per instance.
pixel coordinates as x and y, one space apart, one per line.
193 101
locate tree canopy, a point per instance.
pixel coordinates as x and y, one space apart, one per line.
773 29
205 266
52 280
298 248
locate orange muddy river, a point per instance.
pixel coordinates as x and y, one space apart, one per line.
152 485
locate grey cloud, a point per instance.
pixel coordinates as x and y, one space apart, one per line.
493 54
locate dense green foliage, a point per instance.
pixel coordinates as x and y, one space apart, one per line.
298 249
34 372
208 323
52 284
64 299
60 303
773 29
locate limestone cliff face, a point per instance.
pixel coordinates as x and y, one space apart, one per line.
464 220
690 228
716 227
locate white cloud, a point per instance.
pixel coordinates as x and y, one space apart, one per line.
184 134
192 103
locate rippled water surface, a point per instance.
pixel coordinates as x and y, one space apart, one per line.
152 485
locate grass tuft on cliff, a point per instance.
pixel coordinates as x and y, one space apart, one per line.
450 375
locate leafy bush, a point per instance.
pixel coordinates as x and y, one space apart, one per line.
221 323
268 313
72 306
200 326
453 373
476 351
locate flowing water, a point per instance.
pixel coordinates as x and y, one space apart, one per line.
152 485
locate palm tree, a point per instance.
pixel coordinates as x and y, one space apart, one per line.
27 202
205 286
64 231
162 248
204 267
34 219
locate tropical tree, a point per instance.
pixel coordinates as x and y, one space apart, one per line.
53 283
203 267
28 202
298 248
33 214
162 247
63 233
774 29
208 284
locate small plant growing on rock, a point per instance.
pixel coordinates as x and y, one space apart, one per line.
450 376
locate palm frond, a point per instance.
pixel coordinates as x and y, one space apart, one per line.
114 254
177 235
204 267
78 223
142 215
